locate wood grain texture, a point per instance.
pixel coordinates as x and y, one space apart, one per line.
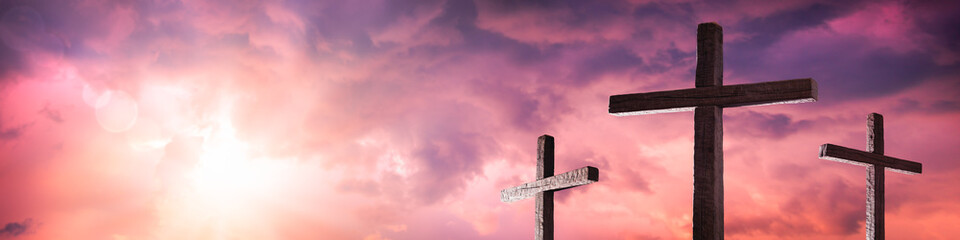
543 209
875 133
765 93
708 99
578 177
543 229
863 158
875 180
708 173
709 55
545 160
708 137
875 210
543 188
875 162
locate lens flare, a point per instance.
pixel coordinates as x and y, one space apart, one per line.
119 113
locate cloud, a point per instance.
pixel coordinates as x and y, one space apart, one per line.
14 229
907 105
12 133
10 62
180 156
764 125
51 114
882 58
820 208
26 42
552 22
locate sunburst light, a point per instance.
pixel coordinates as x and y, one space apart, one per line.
229 191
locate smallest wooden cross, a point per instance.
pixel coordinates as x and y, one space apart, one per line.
546 184
875 162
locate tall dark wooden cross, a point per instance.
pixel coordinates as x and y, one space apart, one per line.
875 162
546 184
708 100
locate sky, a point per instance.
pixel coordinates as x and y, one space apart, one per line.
393 119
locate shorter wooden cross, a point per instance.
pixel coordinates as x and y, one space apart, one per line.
875 162
546 184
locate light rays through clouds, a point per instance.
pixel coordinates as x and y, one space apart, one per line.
169 119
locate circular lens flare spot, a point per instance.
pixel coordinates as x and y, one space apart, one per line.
119 113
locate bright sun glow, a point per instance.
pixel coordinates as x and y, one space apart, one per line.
230 190
229 174
226 172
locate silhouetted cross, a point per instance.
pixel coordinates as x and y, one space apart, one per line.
875 162
708 100
546 184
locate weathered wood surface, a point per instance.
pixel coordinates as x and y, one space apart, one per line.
544 216
708 138
765 93
875 181
545 157
875 162
862 158
581 176
543 188
875 211
875 133
708 173
543 206
708 99
709 55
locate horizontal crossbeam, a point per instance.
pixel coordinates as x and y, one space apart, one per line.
581 176
765 93
862 158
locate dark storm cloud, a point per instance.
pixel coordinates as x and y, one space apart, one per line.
872 75
940 20
463 15
842 71
847 67
767 30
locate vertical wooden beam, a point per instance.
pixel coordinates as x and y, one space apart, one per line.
875 133
709 55
708 138
875 180
875 203
544 200
708 173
